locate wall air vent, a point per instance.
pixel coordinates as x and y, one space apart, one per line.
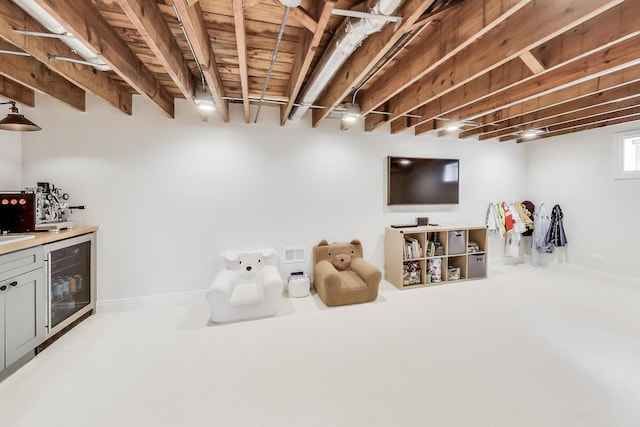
294 254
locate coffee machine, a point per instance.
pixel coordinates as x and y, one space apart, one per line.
52 207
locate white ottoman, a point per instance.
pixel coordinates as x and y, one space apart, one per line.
298 285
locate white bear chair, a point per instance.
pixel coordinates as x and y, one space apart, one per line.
249 287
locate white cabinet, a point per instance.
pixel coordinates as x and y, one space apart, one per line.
22 304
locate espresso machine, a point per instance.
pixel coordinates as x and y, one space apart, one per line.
52 207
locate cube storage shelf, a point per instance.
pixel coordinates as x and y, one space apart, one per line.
432 255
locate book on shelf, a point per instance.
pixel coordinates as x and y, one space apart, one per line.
412 248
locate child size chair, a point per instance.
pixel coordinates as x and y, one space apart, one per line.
341 276
249 287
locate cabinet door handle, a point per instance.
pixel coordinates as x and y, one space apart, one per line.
13 284
3 288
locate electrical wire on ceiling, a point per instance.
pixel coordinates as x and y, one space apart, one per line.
274 55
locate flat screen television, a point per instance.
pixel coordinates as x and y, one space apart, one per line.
422 181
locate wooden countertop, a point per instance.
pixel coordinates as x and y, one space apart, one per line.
44 237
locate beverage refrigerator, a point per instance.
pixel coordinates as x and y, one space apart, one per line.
71 281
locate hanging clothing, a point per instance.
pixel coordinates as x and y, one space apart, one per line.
493 224
518 223
555 235
541 223
529 210
508 219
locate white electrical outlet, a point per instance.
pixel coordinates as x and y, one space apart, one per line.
597 258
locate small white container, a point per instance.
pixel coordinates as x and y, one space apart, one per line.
299 286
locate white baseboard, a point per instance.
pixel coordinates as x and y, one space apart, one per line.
124 304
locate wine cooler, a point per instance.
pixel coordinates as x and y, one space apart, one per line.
71 281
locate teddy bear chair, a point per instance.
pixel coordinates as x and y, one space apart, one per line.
342 276
249 287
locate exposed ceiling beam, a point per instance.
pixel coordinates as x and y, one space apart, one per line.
150 23
98 83
531 26
84 21
302 17
532 62
456 30
34 74
196 30
619 94
593 86
595 122
597 64
15 91
304 56
364 59
241 47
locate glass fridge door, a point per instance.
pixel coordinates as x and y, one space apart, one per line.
70 275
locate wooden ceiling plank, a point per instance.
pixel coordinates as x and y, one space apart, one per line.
364 59
196 30
572 46
619 96
595 65
32 73
458 29
17 92
98 83
568 116
307 21
579 126
531 26
304 57
86 23
154 30
241 45
596 86
532 62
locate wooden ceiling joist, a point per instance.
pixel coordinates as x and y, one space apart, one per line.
531 26
84 21
595 87
241 46
610 99
579 50
150 23
100 84
32 73
455 31
304 56
196 31
16 92
624 116
364 59
599 63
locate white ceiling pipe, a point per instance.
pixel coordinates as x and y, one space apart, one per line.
355 32
51 24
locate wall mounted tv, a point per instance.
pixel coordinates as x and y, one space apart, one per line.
420 181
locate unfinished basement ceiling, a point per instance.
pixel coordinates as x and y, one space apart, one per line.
495 69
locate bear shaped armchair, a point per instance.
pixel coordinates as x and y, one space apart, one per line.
249 287
342 276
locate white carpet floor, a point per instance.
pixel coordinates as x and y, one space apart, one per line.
526 347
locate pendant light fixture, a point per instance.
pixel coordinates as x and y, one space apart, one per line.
15 121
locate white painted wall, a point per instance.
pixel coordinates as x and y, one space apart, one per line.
601 214
10 161
170 195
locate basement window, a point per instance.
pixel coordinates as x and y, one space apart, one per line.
626 155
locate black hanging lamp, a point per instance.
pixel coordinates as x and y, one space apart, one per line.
17 122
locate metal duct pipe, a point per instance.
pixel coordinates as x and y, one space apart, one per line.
51 24
356 31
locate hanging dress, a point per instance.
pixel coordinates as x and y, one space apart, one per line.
556 236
